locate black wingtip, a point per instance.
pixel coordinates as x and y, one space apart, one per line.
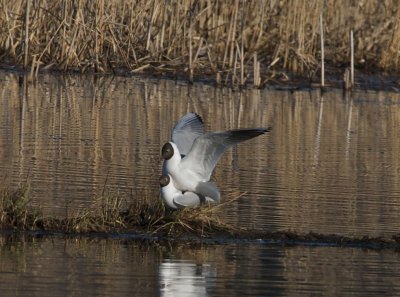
261 130
255 130
199 117
245 134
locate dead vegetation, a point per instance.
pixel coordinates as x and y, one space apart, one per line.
149 217
234 42
142 215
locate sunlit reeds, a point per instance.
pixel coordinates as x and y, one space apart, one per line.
142 214
235 42
150 218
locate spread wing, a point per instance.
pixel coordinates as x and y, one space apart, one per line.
189 127
208 149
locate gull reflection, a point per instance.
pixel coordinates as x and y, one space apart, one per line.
184 278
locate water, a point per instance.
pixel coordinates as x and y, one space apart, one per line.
32 266
330 165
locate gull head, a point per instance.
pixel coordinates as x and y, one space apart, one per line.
168 150
164 180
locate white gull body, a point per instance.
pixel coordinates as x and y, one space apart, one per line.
191 171
188 128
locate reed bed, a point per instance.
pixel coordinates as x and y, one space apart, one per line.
149 217
143 214
234 42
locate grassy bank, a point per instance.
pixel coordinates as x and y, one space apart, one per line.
150 218
109 215
233 42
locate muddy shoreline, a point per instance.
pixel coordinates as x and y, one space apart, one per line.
286 81
149 220
277 238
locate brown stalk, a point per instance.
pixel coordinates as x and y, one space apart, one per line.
26 45
101 35
322 52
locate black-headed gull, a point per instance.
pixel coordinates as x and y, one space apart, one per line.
188 128
176 199
192 172
184 133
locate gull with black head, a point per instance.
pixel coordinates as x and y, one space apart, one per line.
191 171
188 128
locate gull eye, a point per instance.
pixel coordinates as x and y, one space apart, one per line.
167 151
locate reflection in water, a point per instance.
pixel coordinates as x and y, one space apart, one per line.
57 266
182 278
330 165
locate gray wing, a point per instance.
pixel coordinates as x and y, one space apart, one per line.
188 128
188 199
208 149
209 191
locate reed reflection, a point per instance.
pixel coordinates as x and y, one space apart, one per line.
329 165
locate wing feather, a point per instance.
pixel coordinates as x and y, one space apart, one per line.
188 128
208 149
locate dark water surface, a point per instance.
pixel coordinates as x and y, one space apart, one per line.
331 164
110 267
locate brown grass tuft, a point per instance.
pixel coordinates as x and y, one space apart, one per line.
142 215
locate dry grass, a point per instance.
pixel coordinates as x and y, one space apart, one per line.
150 217
201 221
231 41
142 215
14 208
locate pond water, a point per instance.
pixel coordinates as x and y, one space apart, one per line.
331 164
57 266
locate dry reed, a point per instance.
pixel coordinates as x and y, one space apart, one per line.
149 216
206 38
143 214
322 53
